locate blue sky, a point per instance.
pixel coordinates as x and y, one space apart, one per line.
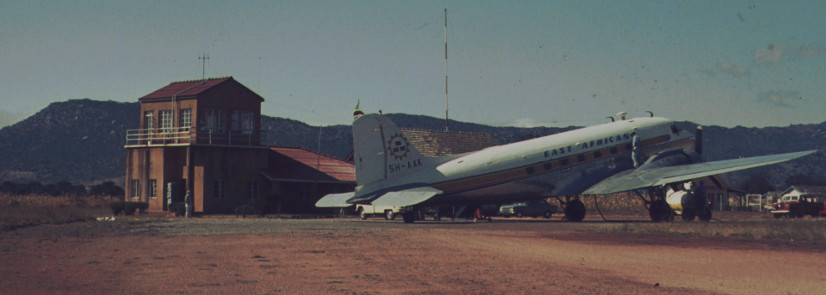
524 63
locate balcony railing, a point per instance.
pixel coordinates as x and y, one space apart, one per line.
187 135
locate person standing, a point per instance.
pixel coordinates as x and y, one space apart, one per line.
190 203
635 143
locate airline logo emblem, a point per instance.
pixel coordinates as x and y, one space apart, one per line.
398 146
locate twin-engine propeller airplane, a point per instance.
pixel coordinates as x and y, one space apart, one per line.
623 155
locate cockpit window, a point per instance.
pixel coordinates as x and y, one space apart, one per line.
674 129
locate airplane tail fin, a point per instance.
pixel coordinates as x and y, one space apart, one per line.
382 151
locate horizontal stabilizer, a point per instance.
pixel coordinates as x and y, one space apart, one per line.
335 200
643 178
408 197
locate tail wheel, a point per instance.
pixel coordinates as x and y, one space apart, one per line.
575 211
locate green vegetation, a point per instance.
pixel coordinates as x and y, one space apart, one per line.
28 210
179 208
128 208
253 206
790 230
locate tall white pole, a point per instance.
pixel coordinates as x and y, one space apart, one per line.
447 118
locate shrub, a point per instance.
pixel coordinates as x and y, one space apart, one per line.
129 208
117 207
179 208
253 206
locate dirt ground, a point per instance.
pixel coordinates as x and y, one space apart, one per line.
224 255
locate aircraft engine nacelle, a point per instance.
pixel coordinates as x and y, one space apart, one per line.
679 200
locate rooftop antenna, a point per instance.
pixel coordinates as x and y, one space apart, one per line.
447 120
204 57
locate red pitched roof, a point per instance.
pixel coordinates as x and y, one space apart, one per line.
185 88
310 166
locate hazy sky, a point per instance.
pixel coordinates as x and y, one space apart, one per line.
555 63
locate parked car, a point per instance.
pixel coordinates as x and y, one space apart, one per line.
533 208
367 210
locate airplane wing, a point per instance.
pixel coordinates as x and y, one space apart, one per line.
408 197
335 200
642 178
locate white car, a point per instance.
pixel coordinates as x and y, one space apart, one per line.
367 210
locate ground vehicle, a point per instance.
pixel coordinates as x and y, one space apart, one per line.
529 208
798 206
367 210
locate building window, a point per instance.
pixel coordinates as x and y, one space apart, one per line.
214 120
253 189
152 188
219 189
135 188
149 120
235 124
186 118
166 121
247 122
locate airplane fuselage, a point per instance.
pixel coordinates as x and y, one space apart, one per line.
561 164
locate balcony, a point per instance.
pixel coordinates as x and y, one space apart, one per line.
191 136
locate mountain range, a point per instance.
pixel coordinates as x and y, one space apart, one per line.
81 141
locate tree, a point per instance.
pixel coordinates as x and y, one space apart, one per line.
757 182
805 179
107 188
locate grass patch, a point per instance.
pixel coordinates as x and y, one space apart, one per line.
29 210
792 230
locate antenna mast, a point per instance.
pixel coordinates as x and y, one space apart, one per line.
204 57
447 120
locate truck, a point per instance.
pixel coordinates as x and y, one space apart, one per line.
798 206
367 210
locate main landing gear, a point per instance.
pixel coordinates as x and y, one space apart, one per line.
574 208
409 216
658 208
696 206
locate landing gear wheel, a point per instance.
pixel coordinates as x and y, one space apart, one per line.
389 215
660 211
575 211
409 216
688 215
362 214
705 215
519 214
547 214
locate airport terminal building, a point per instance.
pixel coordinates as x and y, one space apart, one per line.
204 136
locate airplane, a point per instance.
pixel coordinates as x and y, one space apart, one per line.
623 155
